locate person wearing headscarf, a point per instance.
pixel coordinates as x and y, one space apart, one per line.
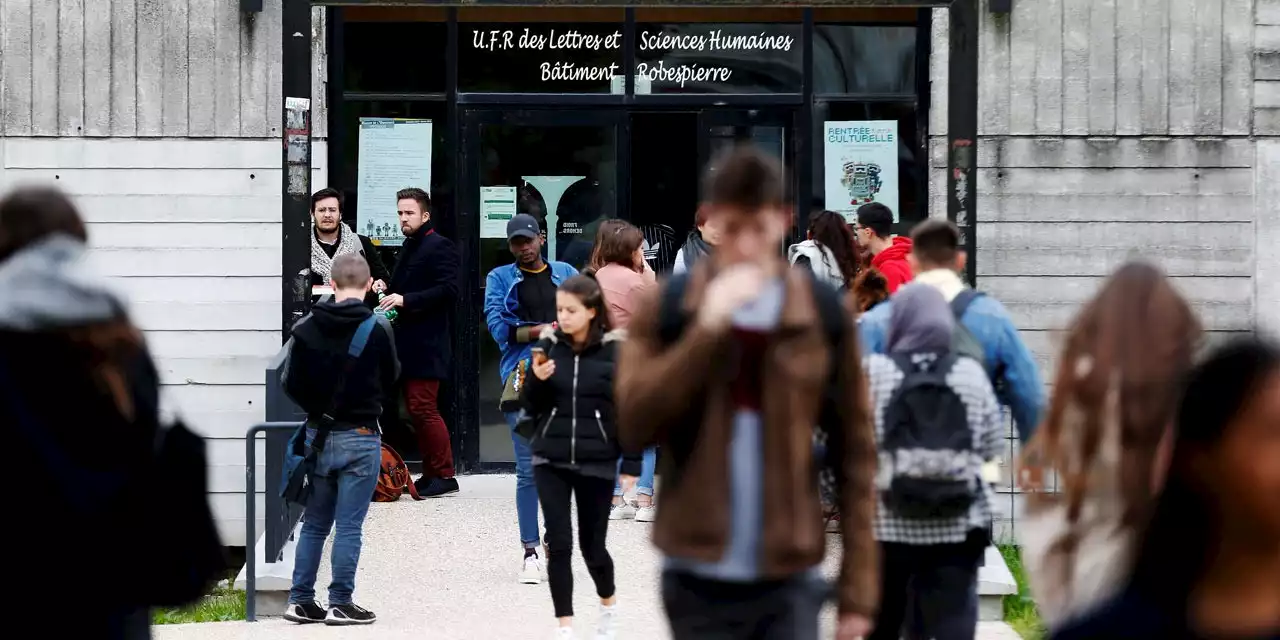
930 549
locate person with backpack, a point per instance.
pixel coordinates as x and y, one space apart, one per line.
828 250
984 330
729 369
570 423
341 364
102 490
937 425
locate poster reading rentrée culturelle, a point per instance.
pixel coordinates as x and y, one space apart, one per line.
861 165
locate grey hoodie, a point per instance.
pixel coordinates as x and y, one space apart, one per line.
47 285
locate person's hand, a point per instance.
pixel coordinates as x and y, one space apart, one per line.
544 370
727 293
391 301
852 626
627 483
379 286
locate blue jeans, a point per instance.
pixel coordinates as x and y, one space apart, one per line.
526 490
346 473
644 486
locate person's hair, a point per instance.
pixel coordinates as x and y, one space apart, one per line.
350 271
29 214
745 178
876 217
413 193
616 243
1122 365
829 229
935 242
1178 544
870 288
325 194
587 289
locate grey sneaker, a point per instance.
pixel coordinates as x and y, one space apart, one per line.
622 511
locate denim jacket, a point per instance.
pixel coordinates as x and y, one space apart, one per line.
500 304
990 324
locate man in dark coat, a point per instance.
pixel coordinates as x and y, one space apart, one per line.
423 289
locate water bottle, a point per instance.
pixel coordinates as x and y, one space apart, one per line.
389 314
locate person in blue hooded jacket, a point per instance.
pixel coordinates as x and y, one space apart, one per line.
519 303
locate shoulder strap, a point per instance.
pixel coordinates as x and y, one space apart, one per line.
960 304
671 317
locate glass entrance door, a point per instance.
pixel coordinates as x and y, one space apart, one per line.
560 167
770 129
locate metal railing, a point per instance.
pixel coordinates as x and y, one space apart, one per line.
280 516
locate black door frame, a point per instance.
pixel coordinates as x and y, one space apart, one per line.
470 310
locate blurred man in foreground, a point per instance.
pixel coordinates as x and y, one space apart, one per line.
728 369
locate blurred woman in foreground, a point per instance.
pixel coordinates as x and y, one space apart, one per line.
1209 563
1118 380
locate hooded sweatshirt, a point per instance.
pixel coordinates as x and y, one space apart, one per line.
892 262
318 354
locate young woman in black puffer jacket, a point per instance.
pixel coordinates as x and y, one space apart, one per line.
569 397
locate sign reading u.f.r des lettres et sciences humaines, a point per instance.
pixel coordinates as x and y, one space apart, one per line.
564 41
861 159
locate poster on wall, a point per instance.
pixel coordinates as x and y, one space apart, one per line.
497 207
861 165
395 154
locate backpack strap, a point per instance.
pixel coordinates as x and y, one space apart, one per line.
960 304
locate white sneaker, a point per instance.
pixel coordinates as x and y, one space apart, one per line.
607 626
647 514
623 511
563 633
531 572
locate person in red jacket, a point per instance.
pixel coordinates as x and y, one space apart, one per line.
888 252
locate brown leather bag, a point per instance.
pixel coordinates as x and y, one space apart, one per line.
393 478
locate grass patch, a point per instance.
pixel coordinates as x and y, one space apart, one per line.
1019 609
221 605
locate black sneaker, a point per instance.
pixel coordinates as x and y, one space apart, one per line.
304 612
349 614
436 487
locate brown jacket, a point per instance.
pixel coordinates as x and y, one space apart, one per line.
677 396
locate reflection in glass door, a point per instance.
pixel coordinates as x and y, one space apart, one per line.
770 130
560 167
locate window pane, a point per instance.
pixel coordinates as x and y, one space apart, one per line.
912 201
853 59
539 57
403 57
718 58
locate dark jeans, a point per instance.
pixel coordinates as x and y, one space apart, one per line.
421 398
938 584
702 609
594 495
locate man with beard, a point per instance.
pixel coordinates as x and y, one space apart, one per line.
423 290
331 237
519 302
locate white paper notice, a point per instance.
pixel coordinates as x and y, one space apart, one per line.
861 165
497 207
394 154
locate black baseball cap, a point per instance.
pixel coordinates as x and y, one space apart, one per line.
522 225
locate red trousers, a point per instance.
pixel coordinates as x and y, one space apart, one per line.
421 396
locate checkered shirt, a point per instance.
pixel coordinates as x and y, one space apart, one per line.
970 383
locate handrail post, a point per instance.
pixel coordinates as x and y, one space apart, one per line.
250 516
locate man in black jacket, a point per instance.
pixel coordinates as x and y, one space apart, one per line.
423 290
331 237
320 379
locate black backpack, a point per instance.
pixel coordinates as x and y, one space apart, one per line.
927 437
829 441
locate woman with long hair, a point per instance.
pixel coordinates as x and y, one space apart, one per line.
574 440
828 250
1113 404
619 266
1208 566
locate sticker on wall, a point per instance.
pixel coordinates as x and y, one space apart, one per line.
861 160
497 208
395 154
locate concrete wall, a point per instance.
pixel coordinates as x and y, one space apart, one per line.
1116 129
162 118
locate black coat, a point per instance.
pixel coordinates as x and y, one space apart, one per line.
318 355
427 276
576 420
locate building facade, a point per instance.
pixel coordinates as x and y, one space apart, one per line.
1107 129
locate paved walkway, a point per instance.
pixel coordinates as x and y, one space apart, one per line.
446 569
